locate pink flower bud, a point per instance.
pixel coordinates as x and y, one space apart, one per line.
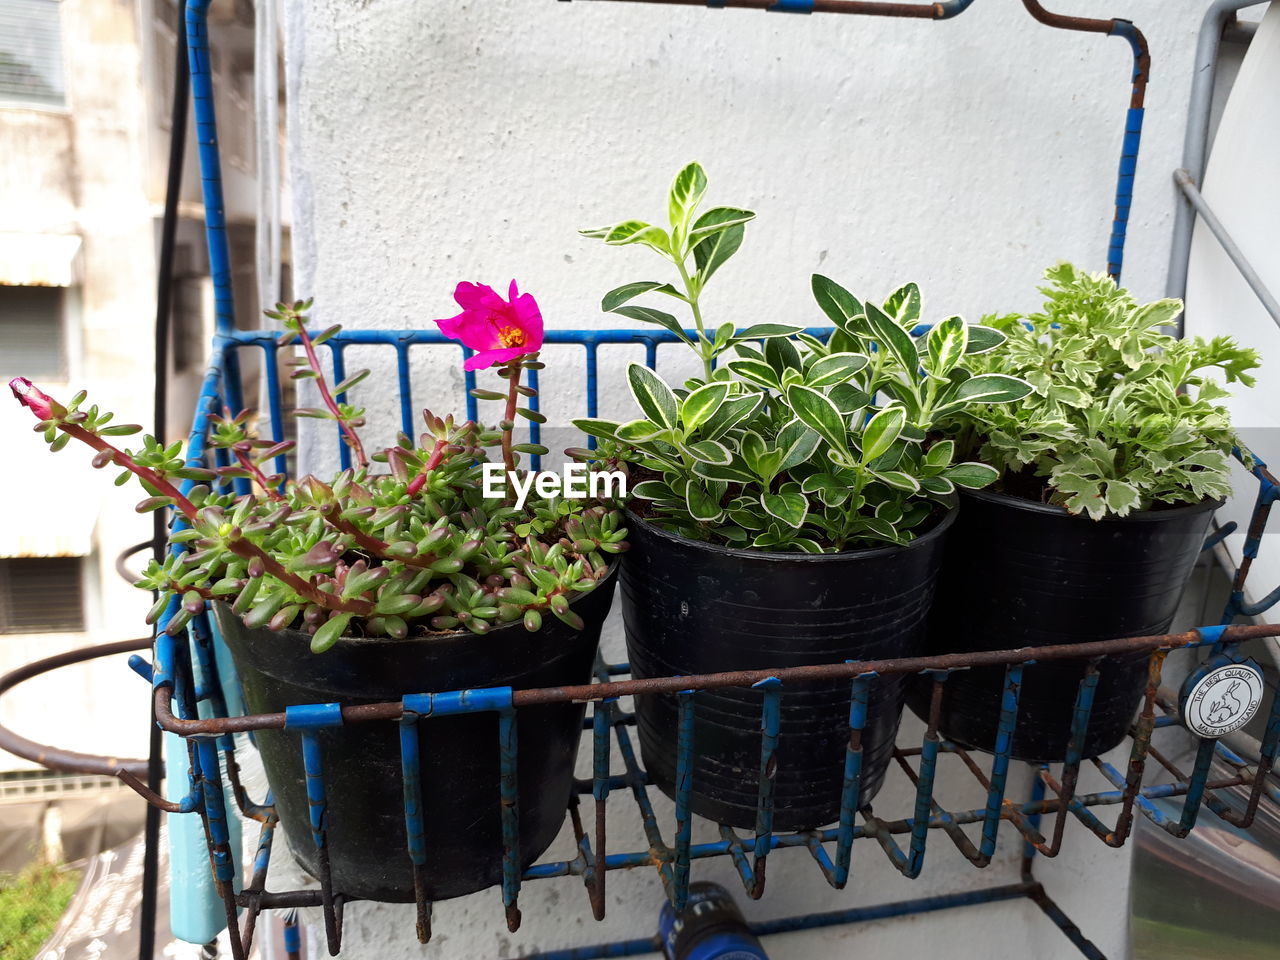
34 399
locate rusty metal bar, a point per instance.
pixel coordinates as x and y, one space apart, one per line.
944 10
69 761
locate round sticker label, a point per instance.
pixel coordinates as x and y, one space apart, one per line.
1222 700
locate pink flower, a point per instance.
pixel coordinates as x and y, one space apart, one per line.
498 330
33 398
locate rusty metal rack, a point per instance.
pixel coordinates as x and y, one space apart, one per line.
198 712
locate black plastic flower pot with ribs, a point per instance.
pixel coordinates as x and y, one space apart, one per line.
697 608
1019 573
459 757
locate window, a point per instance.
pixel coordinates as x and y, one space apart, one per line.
31 329
31 53
41 595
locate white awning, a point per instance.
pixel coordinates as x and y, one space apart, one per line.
38 259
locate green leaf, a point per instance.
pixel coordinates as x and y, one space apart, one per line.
658 317
702 505
756 371
718 219
700 405
714 248
733 411
652 490
790 508
947 343
881 431
903 305
629 291
899 480
763 331
1122 497
817 411
834 368
840 306
983 339
992 388
686 193
595 427
637 231
848 398
653 395
893 339
638 431
940 454
350 382
728 472
797 443
330 632
709 451
970 475
782 355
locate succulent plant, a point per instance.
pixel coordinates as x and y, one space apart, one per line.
411 547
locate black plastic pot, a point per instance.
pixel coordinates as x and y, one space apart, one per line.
692 608
1021 574
369 858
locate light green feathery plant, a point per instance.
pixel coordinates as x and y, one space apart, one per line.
795 442
1122 416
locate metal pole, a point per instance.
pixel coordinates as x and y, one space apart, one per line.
1195 146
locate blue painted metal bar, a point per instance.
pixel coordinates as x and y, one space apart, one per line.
770 721
406 390
313 769
468 377
201 64
415 831
215 812
851 791
509 787
1000 761
684 787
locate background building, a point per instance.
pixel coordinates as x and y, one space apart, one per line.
85 103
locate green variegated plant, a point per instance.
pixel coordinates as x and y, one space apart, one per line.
796 442
1122 417
697 245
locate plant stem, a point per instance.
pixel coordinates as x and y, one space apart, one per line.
418 482
256 473
247 549
704 345
371 544
348 431
514 369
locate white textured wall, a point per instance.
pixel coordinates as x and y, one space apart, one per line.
444 141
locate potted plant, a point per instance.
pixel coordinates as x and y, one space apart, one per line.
780 516
1109 473
387 580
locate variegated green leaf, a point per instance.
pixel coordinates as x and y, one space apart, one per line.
653 395
881 431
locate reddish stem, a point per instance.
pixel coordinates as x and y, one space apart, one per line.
348 431
370 544
306 588
509 417
418 482
255 471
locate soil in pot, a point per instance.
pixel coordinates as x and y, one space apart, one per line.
458 755
694 608
1018 573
